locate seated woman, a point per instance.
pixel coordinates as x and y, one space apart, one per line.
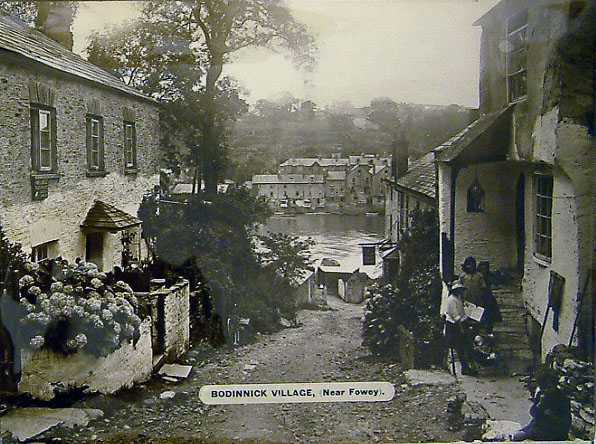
551 411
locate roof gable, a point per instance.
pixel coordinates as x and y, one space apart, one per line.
18 38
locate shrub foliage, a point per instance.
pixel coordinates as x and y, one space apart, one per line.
413 299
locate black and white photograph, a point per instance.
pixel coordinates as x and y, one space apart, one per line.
297 221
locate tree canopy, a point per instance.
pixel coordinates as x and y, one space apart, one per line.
177 51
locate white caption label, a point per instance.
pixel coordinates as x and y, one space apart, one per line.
297 392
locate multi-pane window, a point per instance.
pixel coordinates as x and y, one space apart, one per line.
44 251
543 222
130 148
95 149
43 139
517 55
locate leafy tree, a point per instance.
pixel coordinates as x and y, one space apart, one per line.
211 30
288 256
214 236
26 11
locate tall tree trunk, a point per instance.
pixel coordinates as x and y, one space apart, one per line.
210 140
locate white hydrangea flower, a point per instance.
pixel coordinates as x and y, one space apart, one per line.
34 290
31 267
68 289
80 340
67 311
26 280
96 283
94 305
46 304
96 321
57 286
44 318
37 342
23 301
117 328
79 311
107 315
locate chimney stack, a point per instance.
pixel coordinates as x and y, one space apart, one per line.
399 165
54 19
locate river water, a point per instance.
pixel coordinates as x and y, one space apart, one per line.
336 236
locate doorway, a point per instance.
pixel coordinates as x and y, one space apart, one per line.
94 249
520 222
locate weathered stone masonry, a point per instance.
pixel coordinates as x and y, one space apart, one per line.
71 194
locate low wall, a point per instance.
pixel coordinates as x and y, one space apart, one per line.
44 369
170 310
177 320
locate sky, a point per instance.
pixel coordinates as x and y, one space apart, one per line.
416 51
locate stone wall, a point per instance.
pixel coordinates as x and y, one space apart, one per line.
72 192
576 379
170 311
43 370
177 317
490 234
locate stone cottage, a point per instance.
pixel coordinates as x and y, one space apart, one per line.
516 187
79 149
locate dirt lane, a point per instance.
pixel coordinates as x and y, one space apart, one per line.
325 348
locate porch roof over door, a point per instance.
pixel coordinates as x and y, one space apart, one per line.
487 139
104 217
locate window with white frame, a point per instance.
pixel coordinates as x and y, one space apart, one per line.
543 216
517 55
130 145
47 250
43 139
95 149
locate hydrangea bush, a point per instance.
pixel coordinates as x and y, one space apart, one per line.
79 312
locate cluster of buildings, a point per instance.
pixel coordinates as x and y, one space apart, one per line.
516 187
330 184
79 149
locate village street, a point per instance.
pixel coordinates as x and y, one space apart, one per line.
326 347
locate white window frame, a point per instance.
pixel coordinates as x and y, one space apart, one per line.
94 161
543 226
129 145
40 147
514 32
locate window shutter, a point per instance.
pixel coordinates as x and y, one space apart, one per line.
35 139
101 151
54 145
89 143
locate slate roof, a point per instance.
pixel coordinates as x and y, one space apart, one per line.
107 217
310 161
18 38
458 143
421 176
287 178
